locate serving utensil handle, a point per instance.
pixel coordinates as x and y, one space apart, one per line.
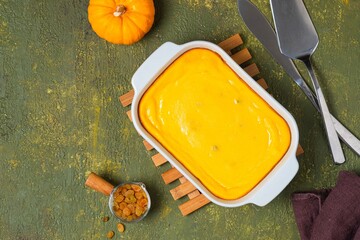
334 141
99 184
346 136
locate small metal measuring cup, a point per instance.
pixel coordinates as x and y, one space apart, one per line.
101 185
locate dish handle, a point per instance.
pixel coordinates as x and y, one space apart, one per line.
276 183
153 65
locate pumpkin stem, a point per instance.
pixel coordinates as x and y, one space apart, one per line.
120 10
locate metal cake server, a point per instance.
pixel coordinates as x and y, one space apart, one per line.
298 39
260 27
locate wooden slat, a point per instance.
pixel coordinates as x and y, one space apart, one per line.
194 194
231 43
241 56
182 179
171 175
128 113
127 98
193 204
158 159
262 83
182 190
252 70
299 150
147 145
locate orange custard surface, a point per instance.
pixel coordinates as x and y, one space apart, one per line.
214 124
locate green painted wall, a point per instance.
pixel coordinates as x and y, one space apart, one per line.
60 118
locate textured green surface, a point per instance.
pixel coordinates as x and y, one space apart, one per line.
60 118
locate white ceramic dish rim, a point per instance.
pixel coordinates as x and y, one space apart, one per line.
279 177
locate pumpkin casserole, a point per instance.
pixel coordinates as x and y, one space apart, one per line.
214 124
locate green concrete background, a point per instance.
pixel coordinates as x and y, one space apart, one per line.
60 119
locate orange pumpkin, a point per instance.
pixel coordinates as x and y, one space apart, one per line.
121 21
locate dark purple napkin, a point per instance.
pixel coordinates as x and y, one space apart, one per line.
330 214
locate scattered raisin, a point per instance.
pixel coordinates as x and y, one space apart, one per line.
120 227
110 234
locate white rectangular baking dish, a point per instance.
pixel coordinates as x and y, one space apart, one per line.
279 177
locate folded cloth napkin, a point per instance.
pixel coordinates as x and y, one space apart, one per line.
330 214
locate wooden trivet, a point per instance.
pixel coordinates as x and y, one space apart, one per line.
196 199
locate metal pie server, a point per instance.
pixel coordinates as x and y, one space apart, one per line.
260 27
298 39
